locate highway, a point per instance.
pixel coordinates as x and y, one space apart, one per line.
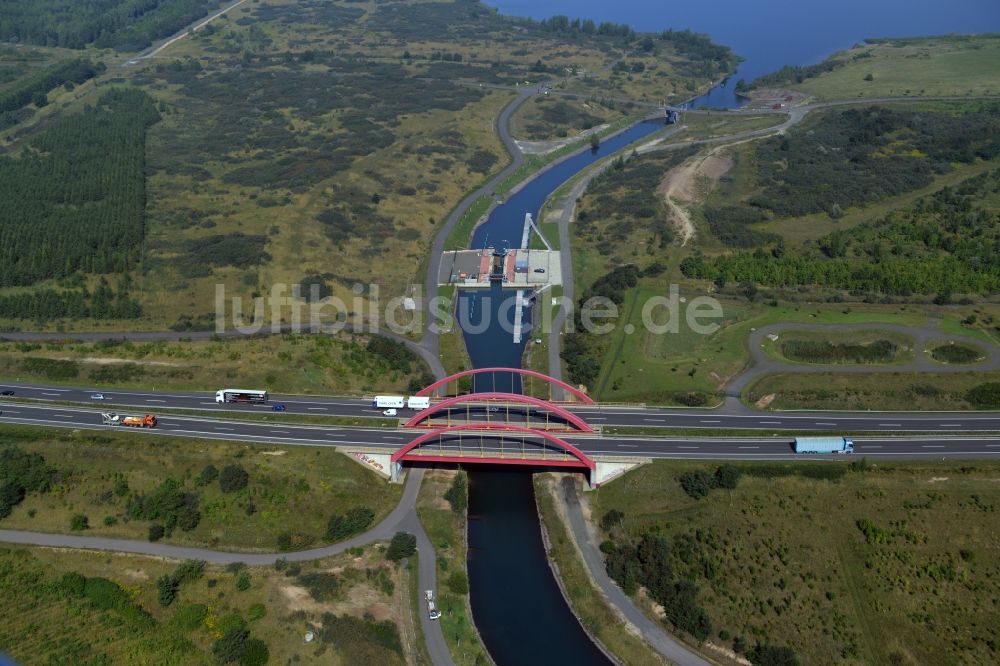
731 416
275 433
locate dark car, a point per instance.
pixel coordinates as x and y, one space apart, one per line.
277 407
6 393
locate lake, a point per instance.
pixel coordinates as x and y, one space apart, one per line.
769 34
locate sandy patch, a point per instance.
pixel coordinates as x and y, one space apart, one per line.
102 360
765 401
688 183
136 574
273 453
298 598
729 654
935 479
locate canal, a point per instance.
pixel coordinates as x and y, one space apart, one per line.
516 602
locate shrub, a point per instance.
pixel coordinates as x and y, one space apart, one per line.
770 655
697 484
233 478
189 616
256 612
955 354
166 587
72 584
243 581
341 526
322 586
156 532
986 396
79 522
189 571
613 518
110 521
403 545
208 474
457 495
458 582
231 647
255 653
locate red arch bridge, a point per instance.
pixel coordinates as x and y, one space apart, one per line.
498 428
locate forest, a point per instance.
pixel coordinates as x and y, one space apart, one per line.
945 243
35 89
75 203
124 25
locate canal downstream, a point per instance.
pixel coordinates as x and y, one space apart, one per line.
516 603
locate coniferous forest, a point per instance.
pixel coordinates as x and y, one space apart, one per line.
75 204
124 25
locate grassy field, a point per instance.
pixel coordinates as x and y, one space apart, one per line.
545 117
952 65
654 367
447 531
903 391
594 612
360 616
796 346
321 364
872 564
290 491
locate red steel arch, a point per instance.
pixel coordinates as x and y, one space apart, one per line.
559 411
581 458
580 395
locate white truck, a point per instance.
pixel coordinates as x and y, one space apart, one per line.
389 402
418 403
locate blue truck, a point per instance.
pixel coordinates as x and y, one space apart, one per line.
824 445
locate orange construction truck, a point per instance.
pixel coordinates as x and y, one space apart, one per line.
146 421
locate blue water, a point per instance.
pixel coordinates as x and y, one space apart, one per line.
769 34
494 346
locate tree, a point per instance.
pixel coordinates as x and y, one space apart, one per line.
341 526
457 495
697 484
79 522
595 142
403 545
243 581
771 655
255 653
189 571
233 478
727 476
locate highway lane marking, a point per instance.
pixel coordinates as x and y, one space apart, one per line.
891 424
56 394
64 416
993 445
770 422
628 446
749 447
825 423
221 428
688 447
318 409
280 432
596 418
950 425
152 400
933 446
709 421
872 446
213 404
11 411
655 420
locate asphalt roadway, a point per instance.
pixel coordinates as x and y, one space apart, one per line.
755 446
731 416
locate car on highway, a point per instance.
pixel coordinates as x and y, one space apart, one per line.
539 270
278 407
493 410
389 412
6 393
97 396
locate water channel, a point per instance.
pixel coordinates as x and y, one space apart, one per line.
516 602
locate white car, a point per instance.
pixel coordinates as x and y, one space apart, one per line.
97 396
389 412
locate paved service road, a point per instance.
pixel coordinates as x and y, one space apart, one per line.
652 632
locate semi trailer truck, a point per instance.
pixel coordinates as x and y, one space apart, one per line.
145 421
824 445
